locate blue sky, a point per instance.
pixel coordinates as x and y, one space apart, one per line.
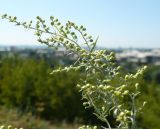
118 23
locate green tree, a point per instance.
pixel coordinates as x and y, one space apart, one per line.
22 85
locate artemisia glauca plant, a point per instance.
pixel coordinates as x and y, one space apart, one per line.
105 87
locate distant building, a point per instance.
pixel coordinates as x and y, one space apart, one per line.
140 57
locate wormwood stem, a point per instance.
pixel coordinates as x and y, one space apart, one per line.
108 124
133 126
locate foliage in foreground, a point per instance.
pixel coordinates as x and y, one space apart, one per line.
98 89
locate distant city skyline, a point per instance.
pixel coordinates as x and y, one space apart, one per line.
118 23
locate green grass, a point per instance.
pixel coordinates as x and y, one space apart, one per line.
28 121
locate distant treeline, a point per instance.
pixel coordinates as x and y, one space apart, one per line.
26 84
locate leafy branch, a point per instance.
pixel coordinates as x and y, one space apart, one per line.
105 87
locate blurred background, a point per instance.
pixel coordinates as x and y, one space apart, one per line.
32 98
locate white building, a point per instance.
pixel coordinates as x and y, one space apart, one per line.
137 56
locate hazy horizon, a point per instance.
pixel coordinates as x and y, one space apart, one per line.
43 45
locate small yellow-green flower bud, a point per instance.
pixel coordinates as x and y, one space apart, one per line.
117 73
117 93
123 87
126 77
119 67
127 112
119 106
122 114
95 127
145 67
93 87
136 85
103 108
107 87
9 126
144 103
2 127
100 86
126 92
